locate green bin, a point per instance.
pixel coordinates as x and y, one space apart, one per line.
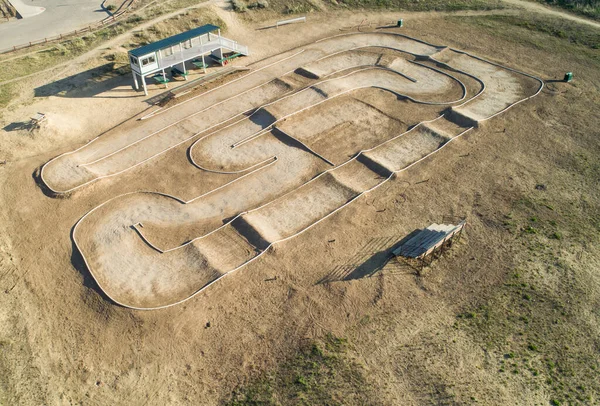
568 76
400 23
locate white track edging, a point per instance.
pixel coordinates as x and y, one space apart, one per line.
291 93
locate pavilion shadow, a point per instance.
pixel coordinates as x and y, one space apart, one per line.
91 83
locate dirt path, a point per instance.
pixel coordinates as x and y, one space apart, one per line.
538 8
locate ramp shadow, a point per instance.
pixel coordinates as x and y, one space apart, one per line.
17 126
370 259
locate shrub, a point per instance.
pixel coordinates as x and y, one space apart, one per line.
239 6
259 4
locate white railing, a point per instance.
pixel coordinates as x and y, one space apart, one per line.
233 45
199 48
292 21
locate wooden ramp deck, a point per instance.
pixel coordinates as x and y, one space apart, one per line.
429 241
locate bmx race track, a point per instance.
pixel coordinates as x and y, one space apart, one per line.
298 138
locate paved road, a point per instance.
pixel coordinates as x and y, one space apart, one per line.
61 16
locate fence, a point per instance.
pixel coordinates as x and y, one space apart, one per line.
292 21
108 21
233 45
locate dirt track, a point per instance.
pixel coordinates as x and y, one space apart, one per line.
247 128
65 342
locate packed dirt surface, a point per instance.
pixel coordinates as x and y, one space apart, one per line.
267 207
100 207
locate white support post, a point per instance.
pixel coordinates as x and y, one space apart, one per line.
182 59
144 85
219 32
218 54
135 82
165 78
203 64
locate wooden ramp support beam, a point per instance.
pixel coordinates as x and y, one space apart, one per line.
429 243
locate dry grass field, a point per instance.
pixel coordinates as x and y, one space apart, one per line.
509 316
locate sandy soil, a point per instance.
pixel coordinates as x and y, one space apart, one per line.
65 342
110 242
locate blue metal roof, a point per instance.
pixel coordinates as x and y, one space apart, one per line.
173 40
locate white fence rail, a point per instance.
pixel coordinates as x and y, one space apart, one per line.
292 21
233 45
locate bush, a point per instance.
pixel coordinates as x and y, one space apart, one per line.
60 49
111 7
298 8
77 43
239 6
259 4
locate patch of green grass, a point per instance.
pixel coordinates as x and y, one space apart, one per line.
6 94
320 373
424 5
562 29
534 327
309 6
588 8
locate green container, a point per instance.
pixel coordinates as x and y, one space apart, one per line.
568 76
400 23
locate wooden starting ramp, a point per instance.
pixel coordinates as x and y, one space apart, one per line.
429 244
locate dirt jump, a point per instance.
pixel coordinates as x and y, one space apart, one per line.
296 139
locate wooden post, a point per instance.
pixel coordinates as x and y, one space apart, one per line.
460 233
